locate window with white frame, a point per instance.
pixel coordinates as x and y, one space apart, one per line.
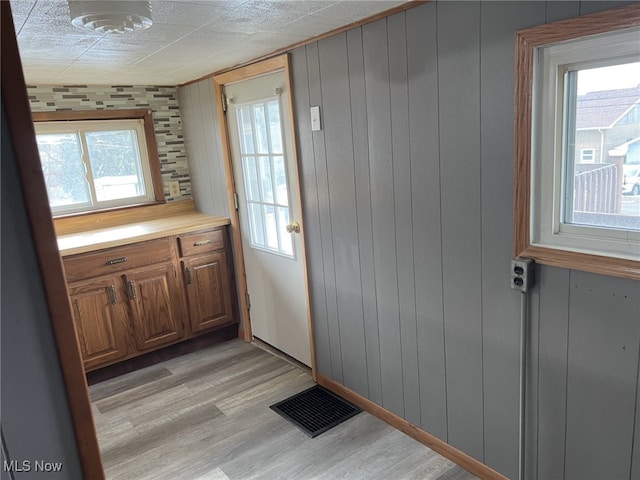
587 155
91 165
560 219
265 175
581 84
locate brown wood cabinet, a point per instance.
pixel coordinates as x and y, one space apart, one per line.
132 299
208 291
157 310
101 320
207 280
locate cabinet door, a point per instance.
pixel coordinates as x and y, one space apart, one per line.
156 306
208 293
99 313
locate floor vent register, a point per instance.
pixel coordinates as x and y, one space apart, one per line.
315 410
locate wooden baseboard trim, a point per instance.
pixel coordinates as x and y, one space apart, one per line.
460 458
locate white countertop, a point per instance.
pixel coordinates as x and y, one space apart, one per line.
92 240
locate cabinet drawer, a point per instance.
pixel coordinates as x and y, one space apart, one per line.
88 265
195 243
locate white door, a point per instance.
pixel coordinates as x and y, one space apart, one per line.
267 187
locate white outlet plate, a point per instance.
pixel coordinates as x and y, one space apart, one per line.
174 189
315 119
522 274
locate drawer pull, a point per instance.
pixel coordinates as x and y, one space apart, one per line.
189 276
115 261
202 242
132 289
112 295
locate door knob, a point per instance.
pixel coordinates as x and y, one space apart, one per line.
293 227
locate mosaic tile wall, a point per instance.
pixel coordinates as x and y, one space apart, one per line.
163 102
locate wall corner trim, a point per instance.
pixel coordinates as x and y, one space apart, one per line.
458 457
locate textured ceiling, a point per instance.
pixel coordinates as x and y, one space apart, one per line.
188 39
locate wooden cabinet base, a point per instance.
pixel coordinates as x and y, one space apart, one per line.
133 299
214 337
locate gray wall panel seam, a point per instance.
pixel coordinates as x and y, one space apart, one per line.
373 239
481 243
375 283
331 260
537 423
444 330
537 459
346 49
546 15
211 178
331 236
566 382
357 227
413 246
313 149
635 415
395 226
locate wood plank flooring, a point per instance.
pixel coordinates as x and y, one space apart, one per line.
206 416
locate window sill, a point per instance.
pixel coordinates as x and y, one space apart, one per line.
617 267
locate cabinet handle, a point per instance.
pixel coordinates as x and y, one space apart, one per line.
132 289
189 276
112 295
202 242
115 261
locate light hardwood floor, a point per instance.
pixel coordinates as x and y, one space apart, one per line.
206 416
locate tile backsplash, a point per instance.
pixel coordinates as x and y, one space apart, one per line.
161 100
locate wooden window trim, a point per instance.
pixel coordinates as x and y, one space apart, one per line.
527 41
124 114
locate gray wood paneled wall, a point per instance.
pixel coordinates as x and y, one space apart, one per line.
204 151
407 198
407 195
36 422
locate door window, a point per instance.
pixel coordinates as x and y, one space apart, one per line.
265 175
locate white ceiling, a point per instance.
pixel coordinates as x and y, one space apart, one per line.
188 38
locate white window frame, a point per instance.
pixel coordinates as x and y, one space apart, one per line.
527 170
590 152
243 155
78 122
550 64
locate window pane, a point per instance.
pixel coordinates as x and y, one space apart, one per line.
250 172
64 171
280 174
245 132
115 164
285 237
265 178
275 128
602 185
256 224
261 128
272 227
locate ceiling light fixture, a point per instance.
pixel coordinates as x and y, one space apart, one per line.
110 16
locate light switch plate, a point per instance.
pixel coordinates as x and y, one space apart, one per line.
174 189
315 119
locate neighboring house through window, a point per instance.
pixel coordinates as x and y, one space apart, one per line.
606 119
577 91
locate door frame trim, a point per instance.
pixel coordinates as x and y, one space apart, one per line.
264 67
